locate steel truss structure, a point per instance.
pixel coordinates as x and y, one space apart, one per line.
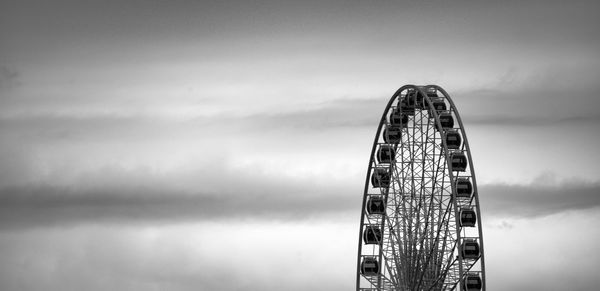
420 226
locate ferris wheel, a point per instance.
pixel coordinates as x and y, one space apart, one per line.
420 226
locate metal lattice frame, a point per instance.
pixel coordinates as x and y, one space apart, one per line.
419 247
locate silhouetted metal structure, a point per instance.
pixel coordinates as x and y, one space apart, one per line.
420 226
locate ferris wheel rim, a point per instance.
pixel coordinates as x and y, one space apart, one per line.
372 163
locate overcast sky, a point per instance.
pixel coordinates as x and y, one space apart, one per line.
222 145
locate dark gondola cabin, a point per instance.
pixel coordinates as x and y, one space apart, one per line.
464 188
369 266
453 139
398 118
386 154
472 282
468 217
438 104
446 120
459 161
372 235
392 134
469 249
380 178
376 205
408 102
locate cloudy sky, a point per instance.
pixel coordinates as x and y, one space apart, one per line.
222 145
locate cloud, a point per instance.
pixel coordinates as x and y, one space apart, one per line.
538 199
58 206
490 107
217 193
546 96
119 196
342 112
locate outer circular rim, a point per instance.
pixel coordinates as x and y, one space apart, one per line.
466 150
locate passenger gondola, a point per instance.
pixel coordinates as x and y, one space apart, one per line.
398 118
372 235
464 188
453 139
469 249
446 120
468 217
458 161
407 103
472 282
369 266
386 154
380 178
376 205
392 134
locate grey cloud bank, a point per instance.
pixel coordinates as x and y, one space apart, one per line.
538 200
265 198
